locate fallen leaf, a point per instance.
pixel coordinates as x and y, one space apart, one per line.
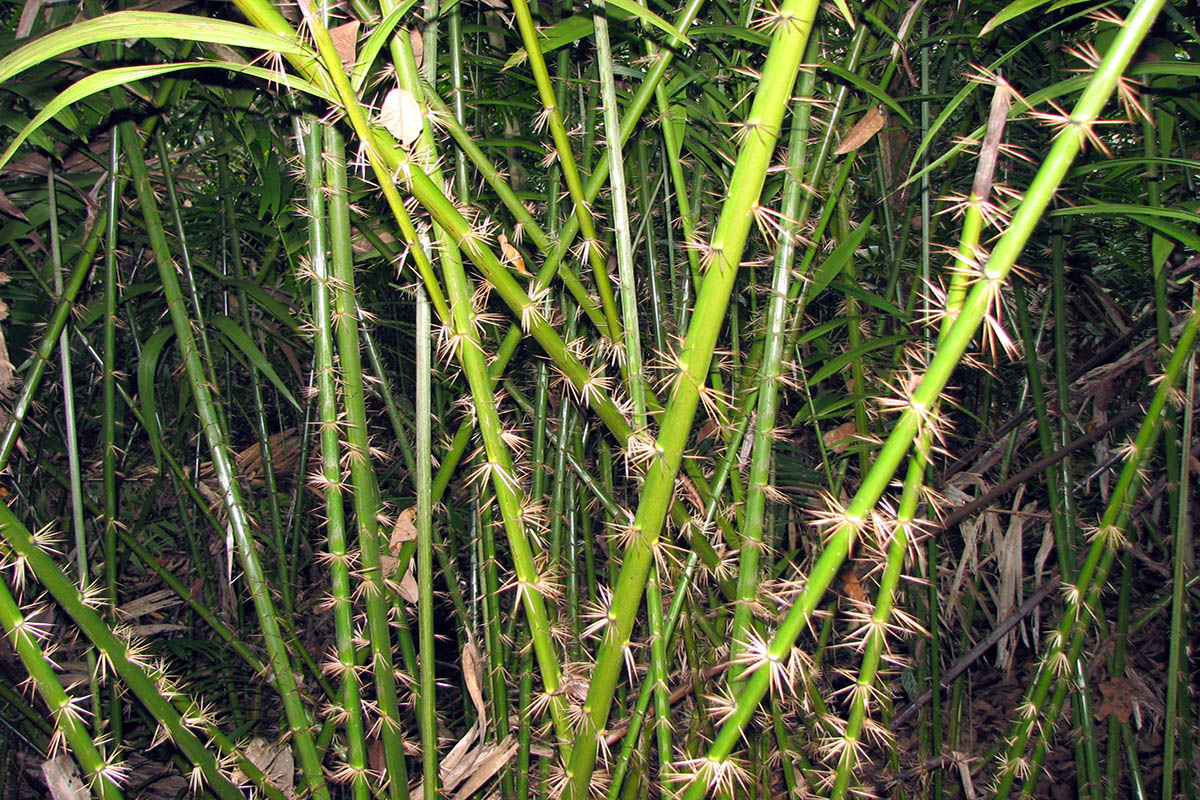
9 207
408 585
405 529
275 761
150 603
511 256
401 115
418 44
345 41
852 586
867 126
472 670
489 762
1118 700
62 779
456 764
29 15
460 755
840 437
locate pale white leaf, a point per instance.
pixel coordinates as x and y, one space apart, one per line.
401 115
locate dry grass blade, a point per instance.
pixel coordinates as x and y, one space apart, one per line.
471 763
472 668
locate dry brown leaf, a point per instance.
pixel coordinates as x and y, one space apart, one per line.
29 15
401 115
275 761
150 603
8 373
1119 696
345 41
362 245
840 437
418 44
457 764
405 529
472 669
989 151
62 779
460 753
964 772
867 126
9 207
376 759
408 585
511 256
146 631
852 586
487 764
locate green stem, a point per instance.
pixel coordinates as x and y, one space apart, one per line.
362 474
324 373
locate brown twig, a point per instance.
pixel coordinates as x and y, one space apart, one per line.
961 665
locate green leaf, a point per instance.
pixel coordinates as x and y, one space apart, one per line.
1130 209
836 261
679 122
726 32
859 293
124 25
119 76
276 307
147 369
1012 11
1183 69
844 10
375 42
1137 165
560 34
679 39
242 341
824 406
271 197
836 365
820 331
854 79
1179 233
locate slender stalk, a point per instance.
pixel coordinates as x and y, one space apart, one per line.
769 374
223 464
75 476
108 417
428 707
592 242
629 337
1177 680
229 220
762 126
330 473
50 338
362 474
